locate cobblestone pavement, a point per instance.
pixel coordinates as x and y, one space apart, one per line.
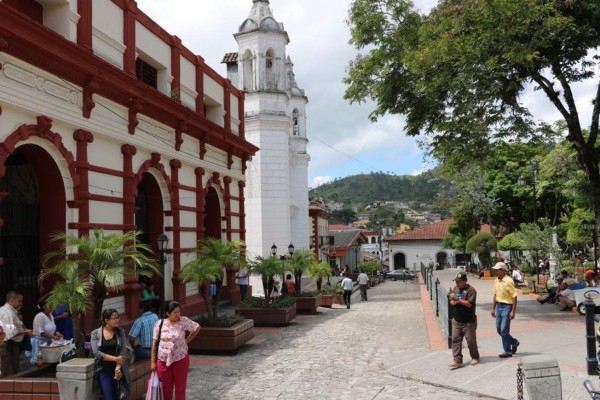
361 353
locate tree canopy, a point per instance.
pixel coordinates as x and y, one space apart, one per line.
459 73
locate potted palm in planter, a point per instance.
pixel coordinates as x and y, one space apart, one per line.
327 296
338 292
218 333
85 267
280 310
318 271
307 301
300 262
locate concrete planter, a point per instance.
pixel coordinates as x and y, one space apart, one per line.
308 304
326 300
269 316
223 339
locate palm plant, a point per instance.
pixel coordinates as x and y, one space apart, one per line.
300 262
318 271
212 257
267 268
89 264
74 291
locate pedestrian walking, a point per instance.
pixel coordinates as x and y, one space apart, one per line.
243 279
363 280
169 355
109 345
504 308
347 286
463 298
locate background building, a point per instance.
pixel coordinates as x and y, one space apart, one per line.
275 121
108 121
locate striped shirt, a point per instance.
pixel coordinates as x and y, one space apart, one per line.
142 328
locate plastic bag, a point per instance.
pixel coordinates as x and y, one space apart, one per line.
155 391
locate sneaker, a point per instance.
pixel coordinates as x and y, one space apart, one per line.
455 365
475 361
505 355
515 346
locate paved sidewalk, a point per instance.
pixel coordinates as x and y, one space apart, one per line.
541 329
368 352
390 347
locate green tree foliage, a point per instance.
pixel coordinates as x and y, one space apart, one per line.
300 263
458 74
378 186
344 216
318 271
91 263
212 257
268 268
483 244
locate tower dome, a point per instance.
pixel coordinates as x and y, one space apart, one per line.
261 18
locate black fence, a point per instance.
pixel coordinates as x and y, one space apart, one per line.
439 300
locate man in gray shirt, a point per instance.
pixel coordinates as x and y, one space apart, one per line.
363 280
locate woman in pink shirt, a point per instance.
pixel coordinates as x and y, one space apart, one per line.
169 355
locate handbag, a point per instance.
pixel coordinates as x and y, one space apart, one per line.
155 391
122 389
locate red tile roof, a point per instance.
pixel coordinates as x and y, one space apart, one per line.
436 231
230 58
337 227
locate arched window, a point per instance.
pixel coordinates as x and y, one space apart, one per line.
248 71
271 79
295 126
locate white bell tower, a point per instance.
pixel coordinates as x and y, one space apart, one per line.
275 121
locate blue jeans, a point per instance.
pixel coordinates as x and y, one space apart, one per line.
503 326
108 385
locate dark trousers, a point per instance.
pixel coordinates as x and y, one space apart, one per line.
363 292
347 294
465 330
142 353
9 358
243 290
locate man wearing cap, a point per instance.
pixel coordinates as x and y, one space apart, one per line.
464 321
504 307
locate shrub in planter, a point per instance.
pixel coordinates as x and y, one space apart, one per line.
222 321
261 302
318 271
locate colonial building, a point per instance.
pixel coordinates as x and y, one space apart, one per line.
320 240
108 121
275 121
424 245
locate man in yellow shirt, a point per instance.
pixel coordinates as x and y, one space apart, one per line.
504 307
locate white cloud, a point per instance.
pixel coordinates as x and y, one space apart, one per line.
318 181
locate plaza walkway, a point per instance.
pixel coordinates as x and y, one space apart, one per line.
389 348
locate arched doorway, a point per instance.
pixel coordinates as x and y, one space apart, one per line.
212 214
33 209
399 261
149 220
441 258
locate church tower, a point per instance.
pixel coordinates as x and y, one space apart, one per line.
275 121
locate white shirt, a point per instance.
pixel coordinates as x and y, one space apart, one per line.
12 323
347 283
362 279
516 275
242 277
43 323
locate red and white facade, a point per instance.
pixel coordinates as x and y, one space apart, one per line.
108 121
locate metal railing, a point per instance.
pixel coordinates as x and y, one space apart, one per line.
438 295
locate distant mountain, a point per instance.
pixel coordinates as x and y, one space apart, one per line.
377 186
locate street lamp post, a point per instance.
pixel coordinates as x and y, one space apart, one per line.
535 166
591 226
163 241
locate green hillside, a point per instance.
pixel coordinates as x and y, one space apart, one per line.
377 186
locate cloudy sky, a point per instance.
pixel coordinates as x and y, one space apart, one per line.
342 140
